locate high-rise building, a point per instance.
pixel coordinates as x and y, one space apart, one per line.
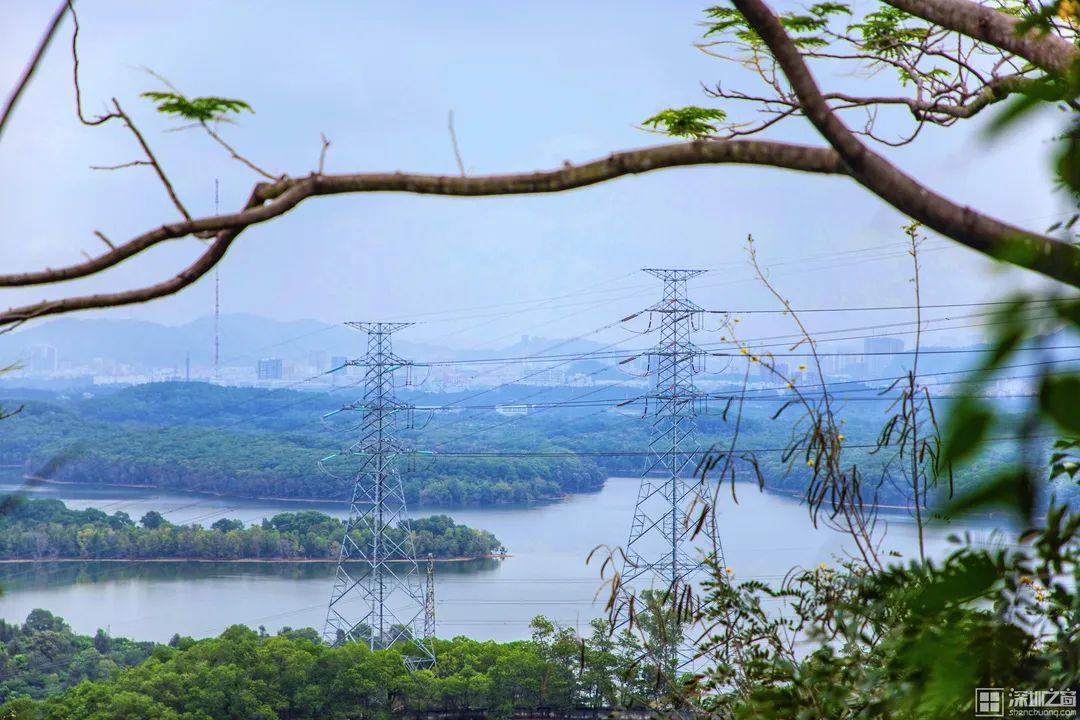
271 368
42 358
317 360
881 352
339 364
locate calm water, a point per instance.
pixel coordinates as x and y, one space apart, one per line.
763 537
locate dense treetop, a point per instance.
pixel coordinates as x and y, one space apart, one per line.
47 529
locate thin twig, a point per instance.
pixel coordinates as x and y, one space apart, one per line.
104 239
322 151
153 160
100 119
235 155
454 143
121 166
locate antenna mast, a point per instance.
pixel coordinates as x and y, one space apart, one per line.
217 299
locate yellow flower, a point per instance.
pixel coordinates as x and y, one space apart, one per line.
753 359
790 386
802 366
729 571
840 438
744 351
810 462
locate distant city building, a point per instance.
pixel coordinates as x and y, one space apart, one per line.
271 369
42 358
317 360
881 352
338 365
512 409
832 363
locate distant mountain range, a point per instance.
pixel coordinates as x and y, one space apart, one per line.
244 339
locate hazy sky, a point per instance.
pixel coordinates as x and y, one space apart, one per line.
531 85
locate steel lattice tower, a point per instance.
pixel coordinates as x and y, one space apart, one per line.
429 605
658 549
378 595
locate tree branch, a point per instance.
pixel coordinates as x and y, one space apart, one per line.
1048 51
14 317
1046 255
288 192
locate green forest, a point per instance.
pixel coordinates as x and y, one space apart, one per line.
258 443
247 673
43 530
42 656
195 444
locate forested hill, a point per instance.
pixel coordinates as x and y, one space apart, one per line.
250 442
255 442
47 529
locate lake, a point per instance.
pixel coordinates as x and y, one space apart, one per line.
763 536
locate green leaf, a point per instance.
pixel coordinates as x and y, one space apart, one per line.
1059 399
201 109
1029 98
1011 490
823 9
969 422
965 577
691 122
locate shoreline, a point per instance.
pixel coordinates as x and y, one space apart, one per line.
792 494
291 561
275 498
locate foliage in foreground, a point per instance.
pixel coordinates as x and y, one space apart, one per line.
912 641
47 529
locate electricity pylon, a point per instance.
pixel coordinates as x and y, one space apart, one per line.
378 597
429 597
658 551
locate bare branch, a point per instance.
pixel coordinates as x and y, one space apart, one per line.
1043 254
100 119
14 317
32 66
19 315
121 166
